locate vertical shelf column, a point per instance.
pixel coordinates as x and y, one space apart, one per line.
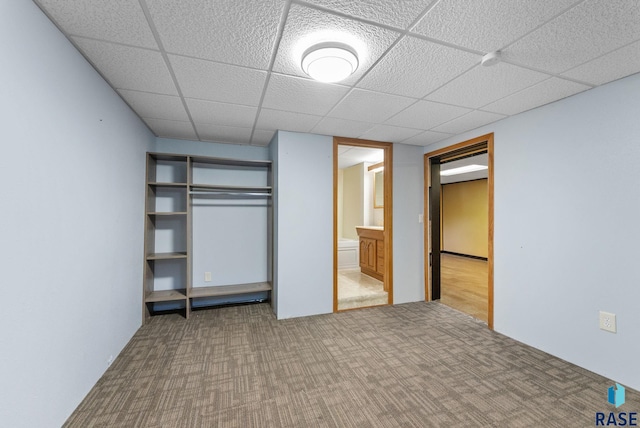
166 216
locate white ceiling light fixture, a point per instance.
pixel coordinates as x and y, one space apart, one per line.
330 61
463 169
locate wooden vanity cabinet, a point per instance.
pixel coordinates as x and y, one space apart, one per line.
380 257
371 251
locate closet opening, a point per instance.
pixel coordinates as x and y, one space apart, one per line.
459 231
362 219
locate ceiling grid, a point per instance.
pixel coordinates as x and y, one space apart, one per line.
229 71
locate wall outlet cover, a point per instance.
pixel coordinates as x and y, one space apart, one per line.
607 321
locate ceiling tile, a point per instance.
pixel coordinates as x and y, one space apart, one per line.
286 121
341 127
172 129
302 95
425 138
129 68
415 67
221 113
585 32
426 115
609 67
397 14
218 82
393 134
223 134
469 121
230 31
121 21
537 95
155 106
487 25
261 137
367 106
354 155
306 27
483 85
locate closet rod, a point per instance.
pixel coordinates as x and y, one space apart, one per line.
228 193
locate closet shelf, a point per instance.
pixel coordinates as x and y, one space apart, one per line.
168 213
226 188
232 162
229 290
165 184
166 256
166 295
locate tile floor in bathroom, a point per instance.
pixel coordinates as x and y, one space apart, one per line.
357 290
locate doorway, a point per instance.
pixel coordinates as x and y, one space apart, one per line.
362 223
451 266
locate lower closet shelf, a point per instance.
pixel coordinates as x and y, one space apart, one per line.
166 295
229 290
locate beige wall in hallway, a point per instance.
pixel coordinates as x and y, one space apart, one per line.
465 218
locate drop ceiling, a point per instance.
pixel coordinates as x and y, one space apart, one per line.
229 70
352 155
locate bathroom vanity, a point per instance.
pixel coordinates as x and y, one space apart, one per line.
371 240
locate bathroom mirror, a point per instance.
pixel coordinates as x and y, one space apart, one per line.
378 189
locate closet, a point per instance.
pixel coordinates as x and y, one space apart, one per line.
207 231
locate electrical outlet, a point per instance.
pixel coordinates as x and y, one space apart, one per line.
420 218
607 321
207 277
109 360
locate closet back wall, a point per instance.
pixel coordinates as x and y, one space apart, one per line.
229 234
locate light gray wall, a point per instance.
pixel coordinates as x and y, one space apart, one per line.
566 227
304 212
188 147
304 224
408 248
72 168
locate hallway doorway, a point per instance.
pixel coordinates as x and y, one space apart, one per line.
459 230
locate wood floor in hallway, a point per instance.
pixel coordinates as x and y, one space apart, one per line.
464 285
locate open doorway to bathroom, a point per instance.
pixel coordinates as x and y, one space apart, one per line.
362 223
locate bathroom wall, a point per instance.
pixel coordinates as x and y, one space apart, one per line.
353 200
375 215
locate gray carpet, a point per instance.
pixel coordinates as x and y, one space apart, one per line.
411 365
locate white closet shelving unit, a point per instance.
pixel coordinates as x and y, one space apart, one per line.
174 185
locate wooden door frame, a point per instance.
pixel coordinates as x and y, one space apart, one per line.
463 147
387 210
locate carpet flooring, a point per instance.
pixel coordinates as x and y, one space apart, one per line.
410 365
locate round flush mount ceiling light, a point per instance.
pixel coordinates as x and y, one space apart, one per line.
330 62
491 58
